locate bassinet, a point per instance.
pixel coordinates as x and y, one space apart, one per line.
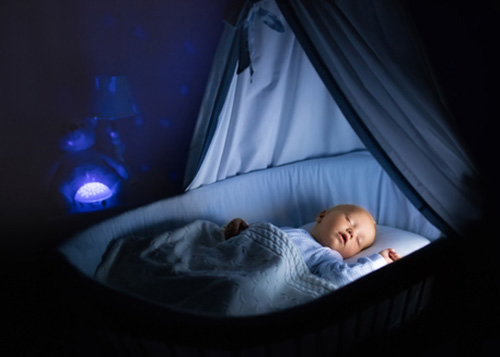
288 195
288 190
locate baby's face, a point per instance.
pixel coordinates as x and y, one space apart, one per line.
347 229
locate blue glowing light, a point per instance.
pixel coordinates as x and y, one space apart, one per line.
189 47
92 192
139 121
108 20
140 32
184 90
165 123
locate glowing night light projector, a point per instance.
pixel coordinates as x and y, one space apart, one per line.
92 192
86 179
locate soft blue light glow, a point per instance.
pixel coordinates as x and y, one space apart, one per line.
92 192
112 85
108 20
189 47
140 32
165 123
111 98
184 90
139 121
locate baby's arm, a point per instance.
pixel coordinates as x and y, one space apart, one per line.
390 255
235 227
330 265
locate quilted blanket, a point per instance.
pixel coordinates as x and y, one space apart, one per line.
194 268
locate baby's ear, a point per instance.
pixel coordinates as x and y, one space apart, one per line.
320 216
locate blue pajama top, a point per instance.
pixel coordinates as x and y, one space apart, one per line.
328 263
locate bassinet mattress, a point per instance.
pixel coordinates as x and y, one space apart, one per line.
289 195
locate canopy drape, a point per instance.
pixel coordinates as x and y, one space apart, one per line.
370 59
363 54
276 111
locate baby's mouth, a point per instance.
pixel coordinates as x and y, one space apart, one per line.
343 237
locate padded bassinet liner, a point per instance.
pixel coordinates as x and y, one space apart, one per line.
290 195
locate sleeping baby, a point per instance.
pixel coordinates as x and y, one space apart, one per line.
339 233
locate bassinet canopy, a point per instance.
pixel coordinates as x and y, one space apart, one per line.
298 79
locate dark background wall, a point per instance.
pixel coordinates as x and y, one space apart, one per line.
460 41
50 50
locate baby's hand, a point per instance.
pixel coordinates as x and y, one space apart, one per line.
235 227
390 255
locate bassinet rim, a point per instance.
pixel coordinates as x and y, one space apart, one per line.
124 313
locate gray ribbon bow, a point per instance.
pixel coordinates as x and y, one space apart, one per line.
247 35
